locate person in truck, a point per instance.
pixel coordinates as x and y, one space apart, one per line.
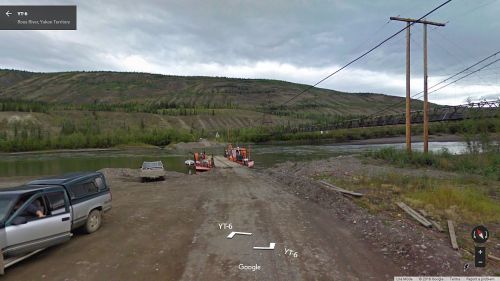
34 210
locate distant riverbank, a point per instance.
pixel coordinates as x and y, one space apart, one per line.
370 141
205 144
402 139
59 151
182 146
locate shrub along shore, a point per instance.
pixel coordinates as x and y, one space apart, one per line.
31 137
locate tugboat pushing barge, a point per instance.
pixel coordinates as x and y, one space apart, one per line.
240 155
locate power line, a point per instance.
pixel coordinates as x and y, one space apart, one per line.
467 75
455 47
455 44
430 58
357 48
448 52
460 72
364 54
470 11
435 85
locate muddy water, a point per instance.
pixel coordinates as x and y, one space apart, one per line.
39 164
64 162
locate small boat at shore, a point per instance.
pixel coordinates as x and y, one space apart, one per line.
240 155
200 162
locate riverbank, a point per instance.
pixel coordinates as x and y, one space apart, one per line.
175 147
205 144
190 146
370 141
60 151
402 139
171 137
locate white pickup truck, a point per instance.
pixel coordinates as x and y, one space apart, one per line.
152 171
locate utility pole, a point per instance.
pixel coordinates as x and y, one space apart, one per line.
409 22
408 97
426 101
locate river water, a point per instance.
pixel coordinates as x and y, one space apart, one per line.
53 163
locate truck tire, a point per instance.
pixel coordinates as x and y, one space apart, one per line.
93 221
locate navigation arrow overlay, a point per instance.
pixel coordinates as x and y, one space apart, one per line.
271 247
8 13
232 234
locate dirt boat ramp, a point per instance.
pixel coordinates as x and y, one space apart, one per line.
178 229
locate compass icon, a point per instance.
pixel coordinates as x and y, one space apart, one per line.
480 234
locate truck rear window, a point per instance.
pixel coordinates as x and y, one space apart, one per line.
82 189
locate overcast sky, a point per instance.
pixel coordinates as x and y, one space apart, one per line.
293 40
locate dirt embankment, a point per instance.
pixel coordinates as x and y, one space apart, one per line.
415 249
202 144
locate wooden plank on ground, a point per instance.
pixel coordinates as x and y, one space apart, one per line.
414 214
491 257
344 191
453 237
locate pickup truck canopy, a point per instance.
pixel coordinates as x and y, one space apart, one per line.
64 179
152 165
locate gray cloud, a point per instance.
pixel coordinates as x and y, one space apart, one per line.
296 40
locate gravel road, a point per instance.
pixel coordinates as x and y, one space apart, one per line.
171 231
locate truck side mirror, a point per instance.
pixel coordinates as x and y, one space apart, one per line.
19 220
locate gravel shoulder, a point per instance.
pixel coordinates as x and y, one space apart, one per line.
414 249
